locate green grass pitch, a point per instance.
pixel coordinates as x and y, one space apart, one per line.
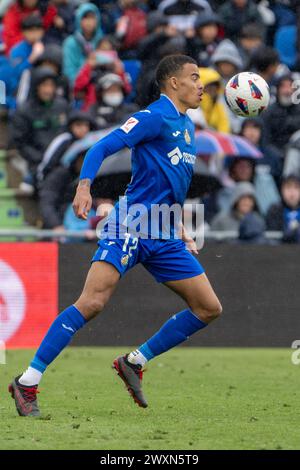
199 398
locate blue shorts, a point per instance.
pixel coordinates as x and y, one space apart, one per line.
166 260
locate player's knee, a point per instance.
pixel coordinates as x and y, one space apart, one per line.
90 306
209 313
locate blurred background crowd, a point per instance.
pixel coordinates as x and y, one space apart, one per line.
71 71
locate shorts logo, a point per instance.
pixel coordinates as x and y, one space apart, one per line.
129 125
124 260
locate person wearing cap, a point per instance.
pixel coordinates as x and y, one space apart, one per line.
110 109
17 12
77 46
23 55
285 216
203 43
103 60
38 121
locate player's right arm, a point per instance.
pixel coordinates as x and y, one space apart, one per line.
142 126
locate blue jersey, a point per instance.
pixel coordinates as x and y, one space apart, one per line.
163 154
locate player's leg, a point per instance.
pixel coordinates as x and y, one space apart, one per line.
170 262
99 286
204 307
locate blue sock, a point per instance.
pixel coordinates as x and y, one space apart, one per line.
58 337
176 330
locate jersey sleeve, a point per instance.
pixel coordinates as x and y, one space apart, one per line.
140 127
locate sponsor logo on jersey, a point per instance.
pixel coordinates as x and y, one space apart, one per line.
176 155
129 125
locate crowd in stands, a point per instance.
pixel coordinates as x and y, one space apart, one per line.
74 70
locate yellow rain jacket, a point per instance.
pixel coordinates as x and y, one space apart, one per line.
214 111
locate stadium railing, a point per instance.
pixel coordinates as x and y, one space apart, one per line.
40 234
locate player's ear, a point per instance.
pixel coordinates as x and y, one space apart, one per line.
174 83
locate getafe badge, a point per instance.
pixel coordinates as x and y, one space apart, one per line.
187 137
124 260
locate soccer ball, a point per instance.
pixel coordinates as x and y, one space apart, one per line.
247 94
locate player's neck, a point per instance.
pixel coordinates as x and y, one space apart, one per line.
180 107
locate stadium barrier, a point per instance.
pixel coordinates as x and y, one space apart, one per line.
257 285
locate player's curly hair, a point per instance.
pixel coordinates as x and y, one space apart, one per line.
169 66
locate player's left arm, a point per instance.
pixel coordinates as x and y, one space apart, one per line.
142 126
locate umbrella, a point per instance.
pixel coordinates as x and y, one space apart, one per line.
117 163
213 142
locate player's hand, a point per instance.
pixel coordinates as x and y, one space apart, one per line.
192 246
83 200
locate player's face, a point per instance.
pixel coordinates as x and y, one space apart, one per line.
190 88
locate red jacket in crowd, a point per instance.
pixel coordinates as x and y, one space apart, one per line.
13 18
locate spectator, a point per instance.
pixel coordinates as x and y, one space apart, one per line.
25 53
37 122
19 10
182 13
110 109
159 31
285 216
252 130
242 205
63 24
227 60
239 170
104 59
282 118
252 229
79 125
251 38
212 105
78 46
163 39
52 58
236 13
57 192
292 157
130 28
265 61
202 45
